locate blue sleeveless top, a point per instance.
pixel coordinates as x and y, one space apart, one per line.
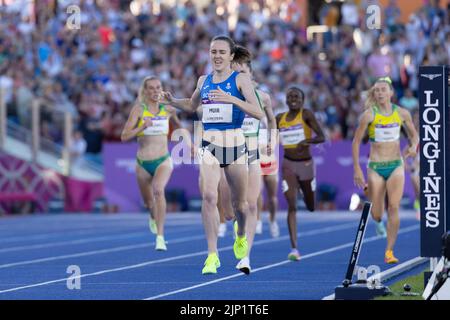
219 115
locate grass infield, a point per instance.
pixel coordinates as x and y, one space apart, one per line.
398 292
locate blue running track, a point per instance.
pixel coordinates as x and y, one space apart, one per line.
117 260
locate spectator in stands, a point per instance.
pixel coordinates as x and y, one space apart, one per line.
77 148
97 70
408 101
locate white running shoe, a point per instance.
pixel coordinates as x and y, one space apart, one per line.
244 265
274 229
222 230
160 244
259 227
380 229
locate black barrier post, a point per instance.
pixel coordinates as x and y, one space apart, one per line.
434 158
434 110
361 290
357 244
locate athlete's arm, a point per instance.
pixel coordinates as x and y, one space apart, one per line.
311 121
173 117
271 121
366 118
267 104
198 132
411 132
249 105
131 130
178 131
185 104
277 123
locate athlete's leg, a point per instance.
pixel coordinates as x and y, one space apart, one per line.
209 183
415 179
254 187
290 187
225 198
222 222
308 189
394 186
260 204
377 194
271 183
144 180
160 180
237 178
306 173
220 207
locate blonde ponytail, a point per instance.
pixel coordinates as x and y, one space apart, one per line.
370 99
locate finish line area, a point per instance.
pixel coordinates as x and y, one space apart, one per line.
116 258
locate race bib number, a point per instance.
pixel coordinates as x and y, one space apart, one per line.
217 113
250 125
160 126
387 133
292 135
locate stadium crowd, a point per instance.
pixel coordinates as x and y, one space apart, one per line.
94 72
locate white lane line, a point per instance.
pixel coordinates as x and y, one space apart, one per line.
119 229
308 256
80 241
95 252
73 242
147 244
190 255
110 236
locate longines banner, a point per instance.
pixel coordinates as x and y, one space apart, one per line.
434 158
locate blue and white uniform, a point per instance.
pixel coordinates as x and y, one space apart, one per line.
222 116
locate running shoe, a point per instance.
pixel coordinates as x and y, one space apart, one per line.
294 255
417 204
274 229
380 229
152 225
240 247
389 257
244 265
211 264
259 227
160 244
417 207
222 230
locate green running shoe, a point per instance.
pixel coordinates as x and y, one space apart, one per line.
152 225
417 205
211 264
240 247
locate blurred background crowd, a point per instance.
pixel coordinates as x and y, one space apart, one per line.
94 72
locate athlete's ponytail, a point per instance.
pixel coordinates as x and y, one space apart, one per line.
371 101
242 56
